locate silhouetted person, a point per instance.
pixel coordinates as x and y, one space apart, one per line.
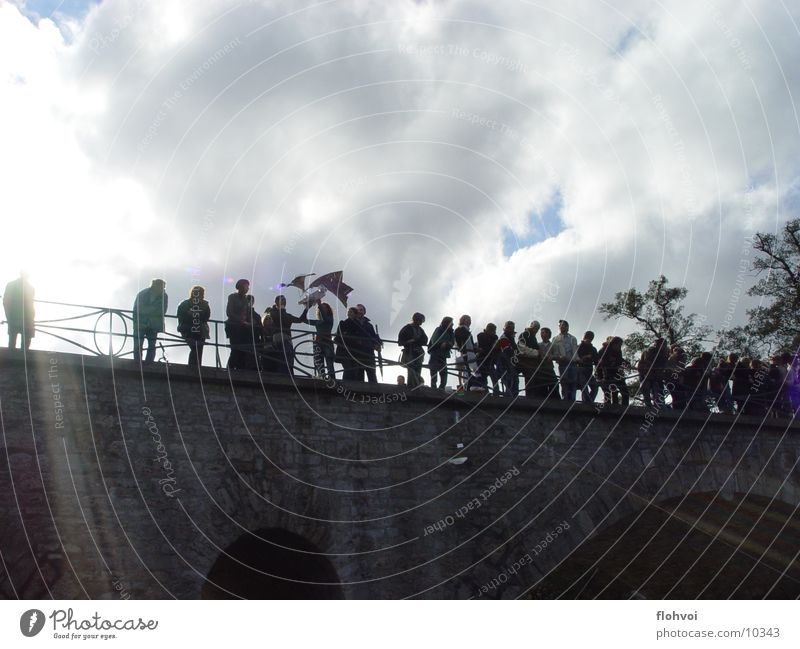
565 353
412 339
720 385
509 363
545 374
587 360
350 346
529 358
18 305
371 334
759 390
237 325
439 347
742 381
282 320
323 341
193 316
149 309
612 369
778 376
673 376
465 346
651 367
488 353
270 358
695 377
255 339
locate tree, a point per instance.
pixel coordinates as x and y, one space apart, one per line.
658 312
775 325
738 340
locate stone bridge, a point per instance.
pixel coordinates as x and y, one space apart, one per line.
117 481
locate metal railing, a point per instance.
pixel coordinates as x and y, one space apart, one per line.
110 333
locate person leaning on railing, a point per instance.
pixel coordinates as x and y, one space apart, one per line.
282 322
149 309
193 316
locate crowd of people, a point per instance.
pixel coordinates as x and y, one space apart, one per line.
560 367
548 367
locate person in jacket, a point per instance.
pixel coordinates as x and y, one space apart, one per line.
353 347
695 378
545 374
719 383
439 348
465 347
412 340
529 358
323 341
255 339
193 316
509 361
611 366
18 305
282 322
487 354
673 376
778 372
237 327
371 334
651 367
587 360
742 382
149 309
566 351
760 389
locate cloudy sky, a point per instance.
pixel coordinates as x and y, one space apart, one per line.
508 159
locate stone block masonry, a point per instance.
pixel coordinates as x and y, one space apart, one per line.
142 479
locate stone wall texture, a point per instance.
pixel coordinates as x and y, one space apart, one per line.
118 481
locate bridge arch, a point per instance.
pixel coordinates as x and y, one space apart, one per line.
272 563
705 544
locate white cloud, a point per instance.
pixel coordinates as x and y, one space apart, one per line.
401 142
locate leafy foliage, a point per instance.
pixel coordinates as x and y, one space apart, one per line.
775 325
659 313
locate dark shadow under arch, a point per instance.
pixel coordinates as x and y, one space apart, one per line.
272 564
701 545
